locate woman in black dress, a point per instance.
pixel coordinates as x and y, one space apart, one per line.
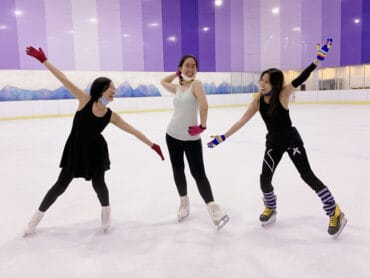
85 154
272 102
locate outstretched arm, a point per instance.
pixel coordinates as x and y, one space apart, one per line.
75 91
119 122
249 113
305 74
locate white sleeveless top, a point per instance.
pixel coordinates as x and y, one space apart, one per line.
185 115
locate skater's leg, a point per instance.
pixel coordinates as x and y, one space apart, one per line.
100 187
271 159
337 219
56 190
194 155
176 152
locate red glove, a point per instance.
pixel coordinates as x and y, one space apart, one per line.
38 54
196 129
157 149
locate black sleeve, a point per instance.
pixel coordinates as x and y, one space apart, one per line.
304 75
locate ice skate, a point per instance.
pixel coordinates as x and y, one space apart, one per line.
35 220
184 208
218 217
337 223
105 218
268 216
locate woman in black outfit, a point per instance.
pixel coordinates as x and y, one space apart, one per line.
272 102
85 154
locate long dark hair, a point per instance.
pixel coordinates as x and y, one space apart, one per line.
276 78
186 56
99 85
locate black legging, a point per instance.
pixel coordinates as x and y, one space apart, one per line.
65 179
194 155
298 155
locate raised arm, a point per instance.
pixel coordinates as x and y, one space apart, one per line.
119 122
166 82
305 74
73 89
248 114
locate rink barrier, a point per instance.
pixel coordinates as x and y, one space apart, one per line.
19 110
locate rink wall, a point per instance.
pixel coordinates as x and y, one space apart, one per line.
66 107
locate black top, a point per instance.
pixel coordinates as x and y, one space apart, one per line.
86 151
278 120
281 133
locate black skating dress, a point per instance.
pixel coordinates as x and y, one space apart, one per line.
281 134
86 151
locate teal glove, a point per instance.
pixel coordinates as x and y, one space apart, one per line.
217 139
323 51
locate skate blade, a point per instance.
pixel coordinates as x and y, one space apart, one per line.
222 222
179 219
271 221
27 234
344 223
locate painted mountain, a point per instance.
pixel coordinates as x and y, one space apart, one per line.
10 93
227 88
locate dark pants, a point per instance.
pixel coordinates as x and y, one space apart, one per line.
65 179
297 154
194 155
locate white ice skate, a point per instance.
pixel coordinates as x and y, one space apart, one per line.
105 218
35 220
184 208
218 217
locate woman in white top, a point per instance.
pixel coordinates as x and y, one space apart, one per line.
183 136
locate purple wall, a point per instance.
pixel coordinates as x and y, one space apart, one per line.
152 35
9 58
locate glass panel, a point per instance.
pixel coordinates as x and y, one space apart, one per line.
357 74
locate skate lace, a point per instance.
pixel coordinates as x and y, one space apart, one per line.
334 220
267 212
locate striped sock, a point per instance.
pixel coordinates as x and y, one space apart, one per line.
328 200
270 200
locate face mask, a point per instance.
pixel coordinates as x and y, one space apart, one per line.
104 101
186 78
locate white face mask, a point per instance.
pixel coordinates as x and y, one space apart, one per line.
186 78
104 101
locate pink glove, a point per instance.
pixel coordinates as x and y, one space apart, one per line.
38 54
196 129
157 149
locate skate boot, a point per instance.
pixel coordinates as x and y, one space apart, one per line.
105 218
218 217
337 222
35 220
268 216
184 208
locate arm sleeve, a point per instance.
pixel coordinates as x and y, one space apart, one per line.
304 75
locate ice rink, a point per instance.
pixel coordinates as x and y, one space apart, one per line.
147 241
